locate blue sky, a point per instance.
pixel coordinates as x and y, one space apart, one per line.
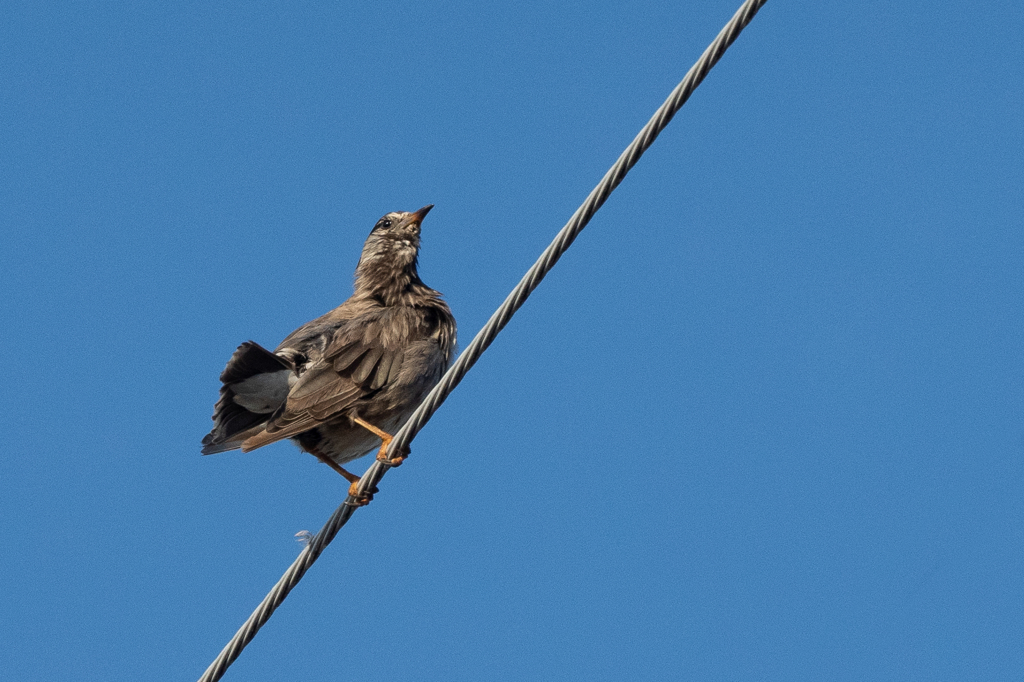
765 421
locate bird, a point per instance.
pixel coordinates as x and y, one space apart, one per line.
346 381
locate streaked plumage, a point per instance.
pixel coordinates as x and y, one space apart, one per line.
373 358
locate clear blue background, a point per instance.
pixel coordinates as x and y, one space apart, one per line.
765 421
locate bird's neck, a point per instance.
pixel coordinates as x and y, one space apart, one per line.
388 285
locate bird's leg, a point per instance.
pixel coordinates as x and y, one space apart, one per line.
386 439
353 489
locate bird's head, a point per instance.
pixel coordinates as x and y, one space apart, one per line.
394 241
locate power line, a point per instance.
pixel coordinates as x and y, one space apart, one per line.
487 334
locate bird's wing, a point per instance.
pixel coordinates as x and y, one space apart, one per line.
356 364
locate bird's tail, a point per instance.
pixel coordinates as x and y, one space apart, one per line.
254 385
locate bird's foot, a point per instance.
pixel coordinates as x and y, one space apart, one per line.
395 461
383 458
360 500
353 488
385 441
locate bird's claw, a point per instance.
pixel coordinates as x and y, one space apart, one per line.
361 499
391 461
382 457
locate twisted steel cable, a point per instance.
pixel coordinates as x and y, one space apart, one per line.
487 334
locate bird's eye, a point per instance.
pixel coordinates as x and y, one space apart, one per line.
385 224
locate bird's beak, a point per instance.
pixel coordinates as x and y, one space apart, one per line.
419 215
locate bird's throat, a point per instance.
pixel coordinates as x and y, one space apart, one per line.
387 284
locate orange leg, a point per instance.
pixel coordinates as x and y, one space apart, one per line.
386 439
353 489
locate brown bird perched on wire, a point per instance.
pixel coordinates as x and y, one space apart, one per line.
342 384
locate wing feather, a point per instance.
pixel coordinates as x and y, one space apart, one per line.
359 360
380 378
396 367
366 365
347 356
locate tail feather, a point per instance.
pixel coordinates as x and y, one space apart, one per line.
244 405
